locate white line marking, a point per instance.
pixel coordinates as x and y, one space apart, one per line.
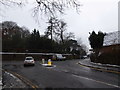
97 81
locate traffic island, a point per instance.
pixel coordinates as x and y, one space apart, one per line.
49 63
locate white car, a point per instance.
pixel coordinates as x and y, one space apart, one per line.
58 57
29 61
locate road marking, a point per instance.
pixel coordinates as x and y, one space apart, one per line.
23 79
99 69
96 81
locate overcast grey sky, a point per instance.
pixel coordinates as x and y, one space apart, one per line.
97 15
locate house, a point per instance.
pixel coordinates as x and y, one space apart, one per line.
109 53
112 38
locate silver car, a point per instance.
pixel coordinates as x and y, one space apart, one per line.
29 61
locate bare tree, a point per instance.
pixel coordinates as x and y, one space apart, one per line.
52 7
56 28
5 4
69 36
46 7
80 42
53 24
61 28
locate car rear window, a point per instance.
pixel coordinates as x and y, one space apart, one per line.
29 58
59 55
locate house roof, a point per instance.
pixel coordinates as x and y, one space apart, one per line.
112 38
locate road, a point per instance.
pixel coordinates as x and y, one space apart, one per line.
65 74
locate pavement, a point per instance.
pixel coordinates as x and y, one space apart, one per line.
11 81
88 63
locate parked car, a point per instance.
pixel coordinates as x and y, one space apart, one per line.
58 57
29 61
83 57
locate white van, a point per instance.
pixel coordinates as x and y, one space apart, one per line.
58 57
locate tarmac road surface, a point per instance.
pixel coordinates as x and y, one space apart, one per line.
65 74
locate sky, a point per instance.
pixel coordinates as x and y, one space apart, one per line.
97 15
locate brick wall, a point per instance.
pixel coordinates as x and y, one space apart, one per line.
107 55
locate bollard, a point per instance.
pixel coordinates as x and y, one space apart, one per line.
49 62
43 60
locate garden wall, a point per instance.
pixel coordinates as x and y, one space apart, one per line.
107 55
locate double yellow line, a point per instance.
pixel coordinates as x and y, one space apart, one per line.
26 81
99 69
